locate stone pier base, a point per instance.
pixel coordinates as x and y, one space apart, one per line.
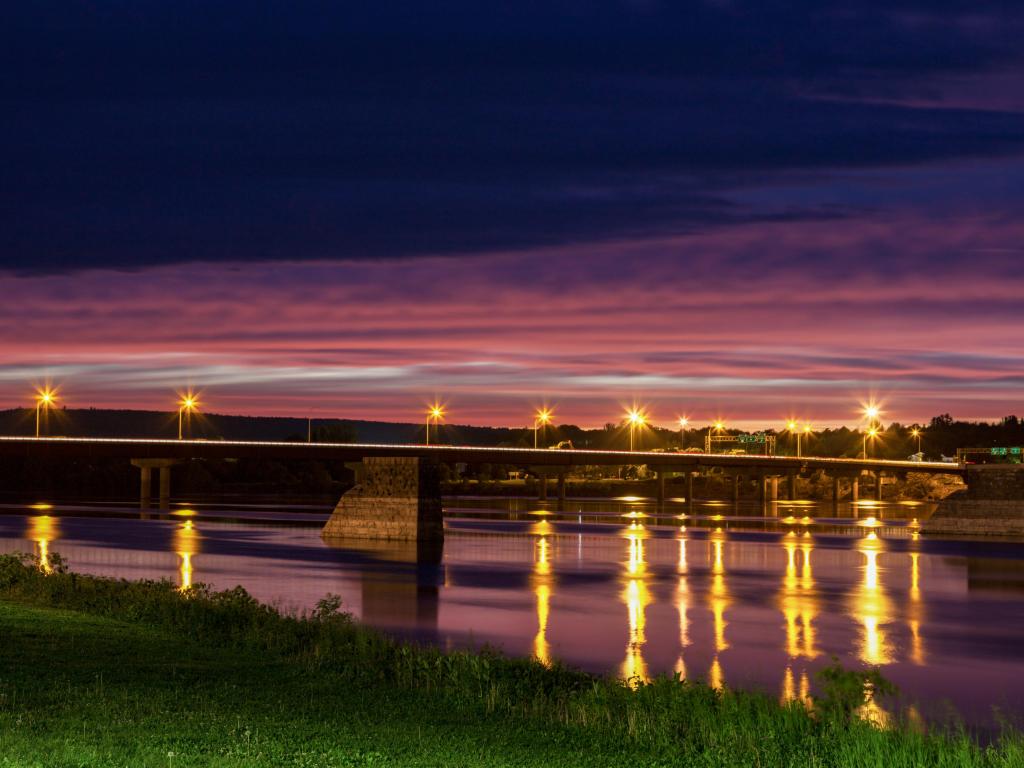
991 505
394 498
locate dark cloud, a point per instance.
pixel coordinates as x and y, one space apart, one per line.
161 132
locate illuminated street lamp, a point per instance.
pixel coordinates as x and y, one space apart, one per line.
636 418
435 412
796 429
871 413
683 421
915 432
791 427
45 398
187 404
542 419
873 434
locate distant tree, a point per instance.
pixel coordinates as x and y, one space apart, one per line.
334 432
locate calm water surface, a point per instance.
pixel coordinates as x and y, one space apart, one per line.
732 595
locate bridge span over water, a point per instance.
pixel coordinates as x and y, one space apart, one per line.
398 493
161 454
146 448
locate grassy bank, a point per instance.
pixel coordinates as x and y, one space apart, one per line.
103 672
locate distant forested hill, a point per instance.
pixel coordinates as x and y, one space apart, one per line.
96 422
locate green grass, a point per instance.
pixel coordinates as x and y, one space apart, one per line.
105 672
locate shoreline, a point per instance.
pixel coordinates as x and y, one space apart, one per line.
497 700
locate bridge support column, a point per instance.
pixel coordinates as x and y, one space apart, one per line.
855 489
689 489
395 498
146 490
878 486
146 467
735 488
542 487
165 486
836 490
773 488
561 486
991 504
659 485
792 488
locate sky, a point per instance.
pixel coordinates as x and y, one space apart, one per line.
730 209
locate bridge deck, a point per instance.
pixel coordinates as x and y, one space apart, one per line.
144 448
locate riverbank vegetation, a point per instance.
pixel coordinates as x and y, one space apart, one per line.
109 672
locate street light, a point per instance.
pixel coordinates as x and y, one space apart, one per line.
543 418
871 413
435 412
793 428
187 404
683 421
636 418
45 398
915 432
872 433
717 428
807 431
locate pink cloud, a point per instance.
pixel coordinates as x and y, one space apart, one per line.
753 323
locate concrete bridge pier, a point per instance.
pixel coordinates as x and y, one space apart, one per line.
735 488
146 467
836 490
991 504
395 498
792 494
878 486
689 489
854 489
544 473
769 485
659 486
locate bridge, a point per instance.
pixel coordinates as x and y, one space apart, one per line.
152 448
162 454
397 494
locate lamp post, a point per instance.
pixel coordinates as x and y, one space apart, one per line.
872 433
636 418
683 421
717 428
187 404
44 399
436 412
792 428
917 433
871 413
542 419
